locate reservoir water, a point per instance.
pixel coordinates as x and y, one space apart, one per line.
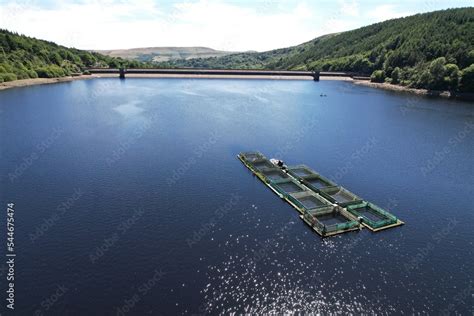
129 198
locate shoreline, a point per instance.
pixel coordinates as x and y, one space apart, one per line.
41 81
385 86
421 92
394 87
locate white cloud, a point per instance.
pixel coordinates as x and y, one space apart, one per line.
338 25
386 12
220 24
121 24
349 8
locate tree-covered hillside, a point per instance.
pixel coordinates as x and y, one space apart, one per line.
432 50
23 57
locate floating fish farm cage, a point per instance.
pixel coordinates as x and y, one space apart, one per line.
373 217
330 220
262 164
327 208
317 182
308 200
252 156
288 186
340 196
274 174
301 171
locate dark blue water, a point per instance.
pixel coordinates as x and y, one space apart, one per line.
129 198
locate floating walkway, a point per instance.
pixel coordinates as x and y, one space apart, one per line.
327 208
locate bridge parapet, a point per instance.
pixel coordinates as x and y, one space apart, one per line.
316 75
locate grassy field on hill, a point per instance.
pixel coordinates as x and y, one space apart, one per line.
163 54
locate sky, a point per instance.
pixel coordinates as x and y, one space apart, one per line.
231 25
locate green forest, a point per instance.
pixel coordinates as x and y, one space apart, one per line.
432 50
23 57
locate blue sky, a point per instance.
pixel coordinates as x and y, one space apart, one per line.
235 25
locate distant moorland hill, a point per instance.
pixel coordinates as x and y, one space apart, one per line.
422 51
161 54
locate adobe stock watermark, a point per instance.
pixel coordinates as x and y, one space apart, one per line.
355 157
109 242
436 238
99 90
260 95
460 298
142 290
61 209
40 149
335 15
412 104
11 11
3 269
202 310
264 6
124 146
453 142
263 248
198 153
299 135
174 15
48 303
219 213
353 243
